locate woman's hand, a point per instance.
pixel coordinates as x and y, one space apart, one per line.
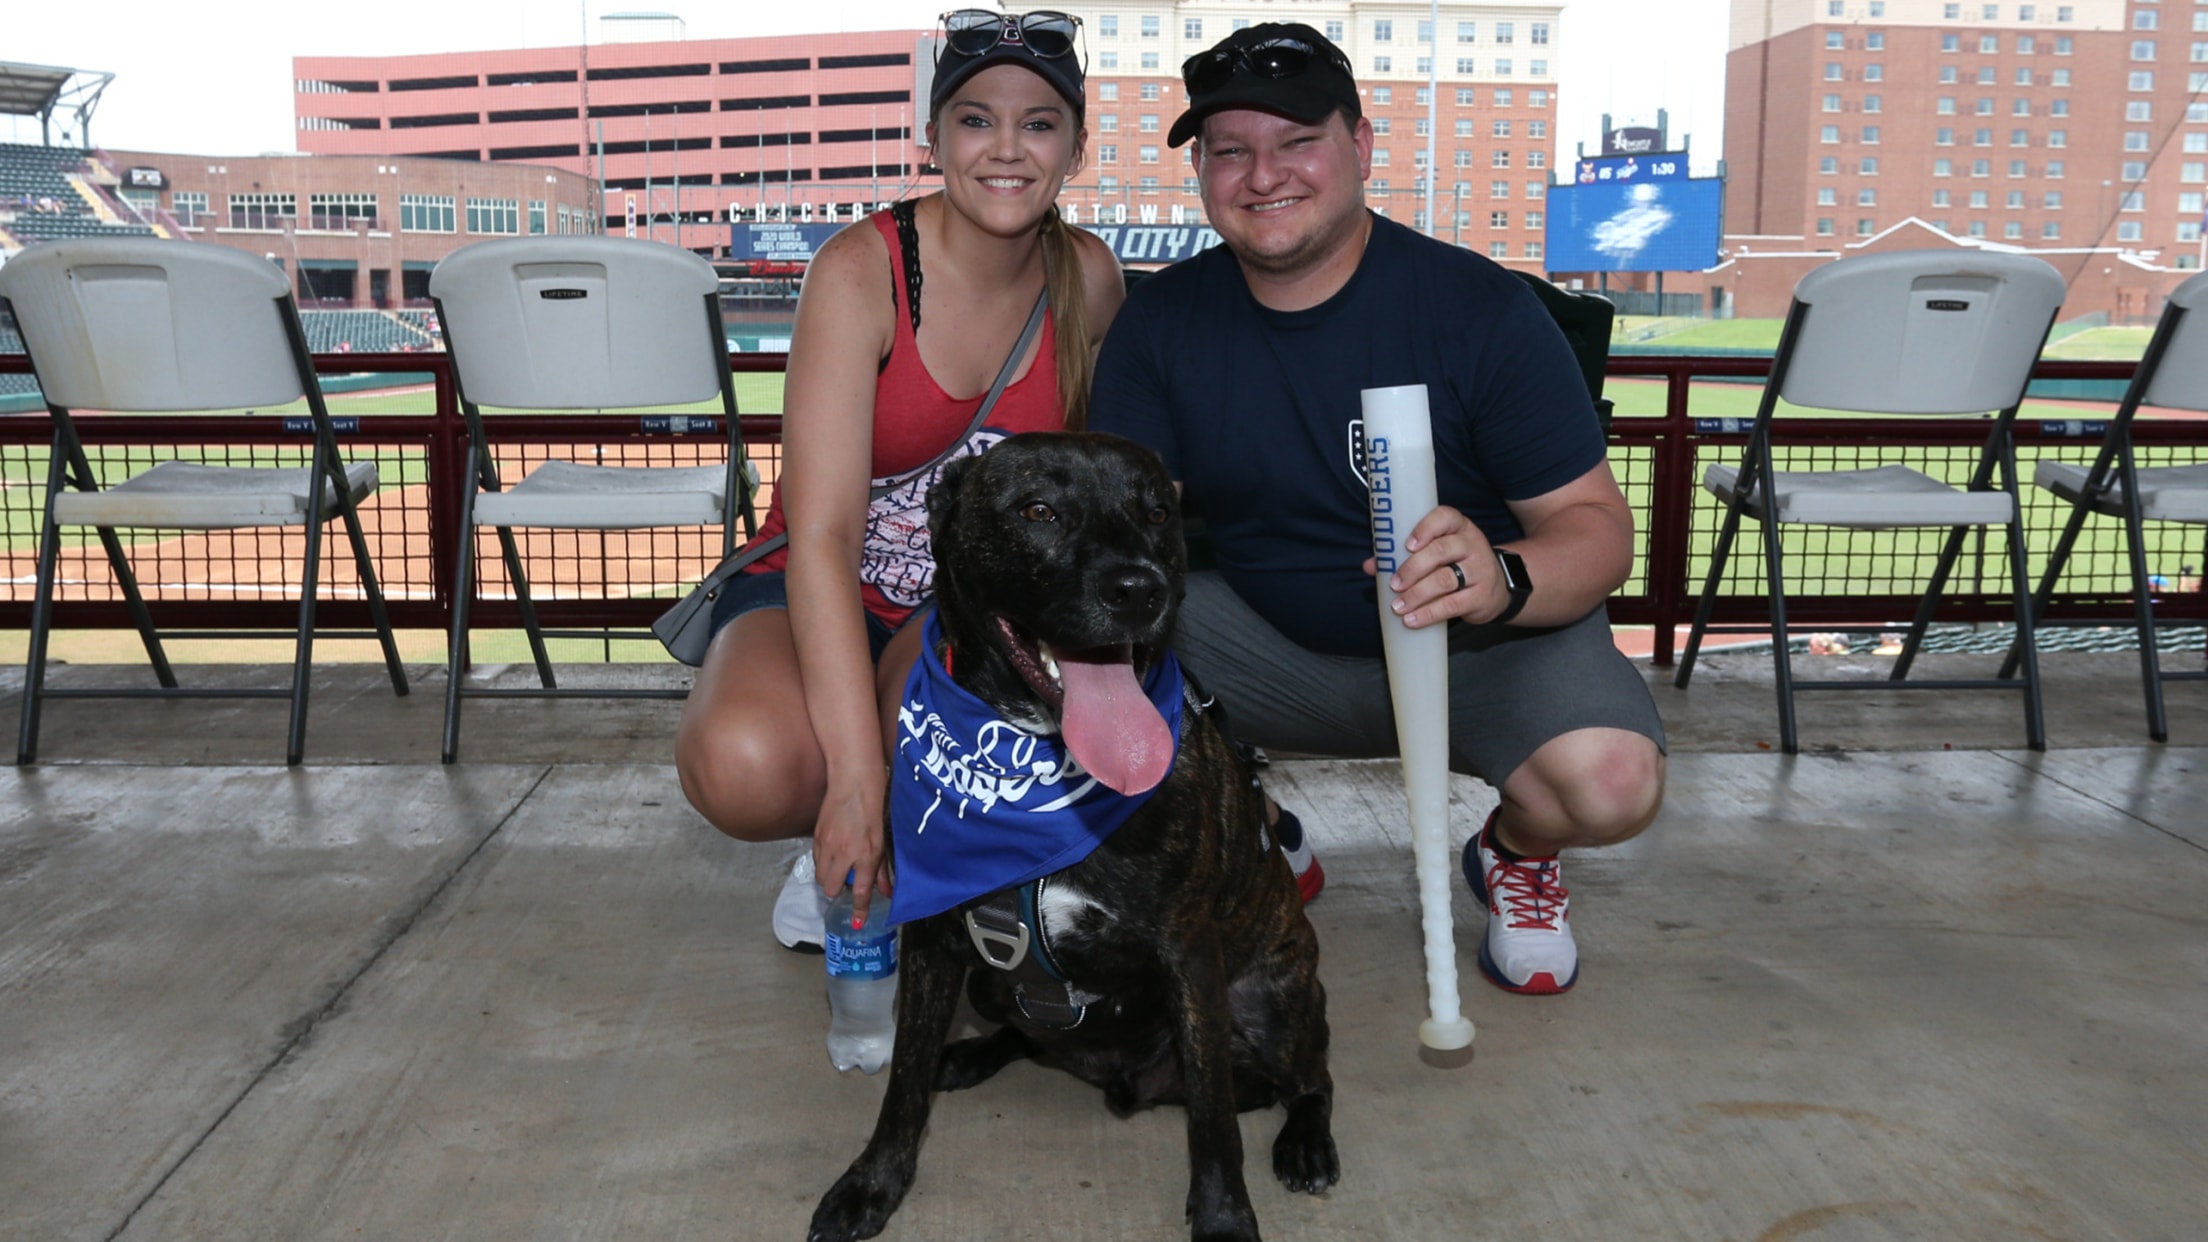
848 839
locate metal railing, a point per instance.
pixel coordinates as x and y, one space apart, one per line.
1837 578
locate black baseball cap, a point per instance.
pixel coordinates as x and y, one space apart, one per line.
1044 41
1280 67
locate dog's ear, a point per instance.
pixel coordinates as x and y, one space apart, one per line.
943 496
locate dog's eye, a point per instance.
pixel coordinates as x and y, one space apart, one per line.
1158 515
1037 511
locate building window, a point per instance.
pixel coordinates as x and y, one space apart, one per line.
1464 127
1107 92
1874 73
1824 226
1537 159
1943 168
1107 60
2058 137
1940 198
1502 98
427 213
2020 137
1864 227
1978 200
1867 166
1985 105
2054 170
1944 105
2196 144
1148 123
2020 107
1107 153
1498 159
2016 169
1383 96
1951 43
1989 44
1150 26
1422 128
2136 140
1832 103
1334 29
2135 170
1381 126
1383 31
2144 19
1948 75
2024 45
1537 190
1943 137
1107 26
1424 97
1835 41
1829 133
1981 168
263 211
1498 189
341 211
2132 200
1827 196
1866 198
1874 103
1875 41
2192 173
1498 219
1533 219
1466 67
1192 29
2141 80
1150 61
1468 32
1148 155
1502 66
2130 231
1977 228
1870 133
2051 230
188 206
1149 92
1505 32
1380 157
1383 64
1501 128
1981 137
1108 123
1834 72
2051 201
494 215
1828 165
1990 12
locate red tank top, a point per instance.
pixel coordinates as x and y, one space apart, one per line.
913 419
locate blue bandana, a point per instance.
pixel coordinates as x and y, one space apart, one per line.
982 804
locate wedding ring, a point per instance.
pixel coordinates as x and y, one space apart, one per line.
1458 570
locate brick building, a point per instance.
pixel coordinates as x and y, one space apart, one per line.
682 131
357 231
2070 131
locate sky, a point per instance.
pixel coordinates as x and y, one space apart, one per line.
189 80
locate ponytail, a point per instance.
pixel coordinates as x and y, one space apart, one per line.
1069 310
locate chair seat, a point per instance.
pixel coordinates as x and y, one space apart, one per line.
571 496
1889 496
190 496
2166 493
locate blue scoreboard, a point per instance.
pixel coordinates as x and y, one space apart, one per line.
1635 213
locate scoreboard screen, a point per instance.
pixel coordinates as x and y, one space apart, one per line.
1635 225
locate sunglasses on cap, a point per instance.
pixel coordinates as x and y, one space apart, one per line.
1046 33
1207 71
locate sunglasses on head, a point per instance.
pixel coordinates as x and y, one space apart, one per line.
1045 32
1285 57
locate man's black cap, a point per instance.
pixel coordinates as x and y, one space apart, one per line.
1322 88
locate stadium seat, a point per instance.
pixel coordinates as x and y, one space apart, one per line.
154 326
2173 374
581 323
1909 332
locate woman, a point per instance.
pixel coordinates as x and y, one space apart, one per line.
788 729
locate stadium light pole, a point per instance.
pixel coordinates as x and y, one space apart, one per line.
1433 104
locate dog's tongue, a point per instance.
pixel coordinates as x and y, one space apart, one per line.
1108 721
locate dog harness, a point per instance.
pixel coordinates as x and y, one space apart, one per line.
1008 929
984 804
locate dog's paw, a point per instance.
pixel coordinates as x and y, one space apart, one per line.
970 1062
857 1206
1304 1158
1217 1214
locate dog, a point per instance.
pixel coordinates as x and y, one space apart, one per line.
1191 972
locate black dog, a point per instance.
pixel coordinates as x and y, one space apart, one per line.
1192 973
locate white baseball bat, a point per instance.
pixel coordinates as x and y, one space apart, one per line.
1399 465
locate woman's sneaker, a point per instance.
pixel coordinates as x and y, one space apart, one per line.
798 922
1528 948
1310 876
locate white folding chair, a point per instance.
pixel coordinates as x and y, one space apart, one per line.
1911 332
142 325
2173 374
581 323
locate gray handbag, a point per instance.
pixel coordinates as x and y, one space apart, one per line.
687 628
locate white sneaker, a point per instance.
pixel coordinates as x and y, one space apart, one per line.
798 922
1528 948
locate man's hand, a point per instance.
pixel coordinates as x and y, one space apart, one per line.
1450 574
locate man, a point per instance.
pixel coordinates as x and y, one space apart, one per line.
1242 366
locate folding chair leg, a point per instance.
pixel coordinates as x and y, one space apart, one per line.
377 613
2142 595
1782 655
1930 603
69 453
302 665
529 623
42 620
1708 603
2020 578
463 596
2057 561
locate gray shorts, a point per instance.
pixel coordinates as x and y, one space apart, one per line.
1511 689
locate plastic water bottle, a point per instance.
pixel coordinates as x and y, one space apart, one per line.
862 985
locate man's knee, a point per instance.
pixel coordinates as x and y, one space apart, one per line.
1589 788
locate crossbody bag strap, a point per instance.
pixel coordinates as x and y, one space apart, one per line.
988 402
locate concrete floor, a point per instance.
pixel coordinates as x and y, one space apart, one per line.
1917 983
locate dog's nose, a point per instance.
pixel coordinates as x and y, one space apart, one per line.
1135 596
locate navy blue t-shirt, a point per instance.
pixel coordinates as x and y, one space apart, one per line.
1255 411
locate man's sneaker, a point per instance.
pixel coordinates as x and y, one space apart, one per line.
1528 948
1310 876
798 923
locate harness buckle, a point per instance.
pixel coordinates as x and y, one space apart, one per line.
1002 949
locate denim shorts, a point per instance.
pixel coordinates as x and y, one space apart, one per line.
749 592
